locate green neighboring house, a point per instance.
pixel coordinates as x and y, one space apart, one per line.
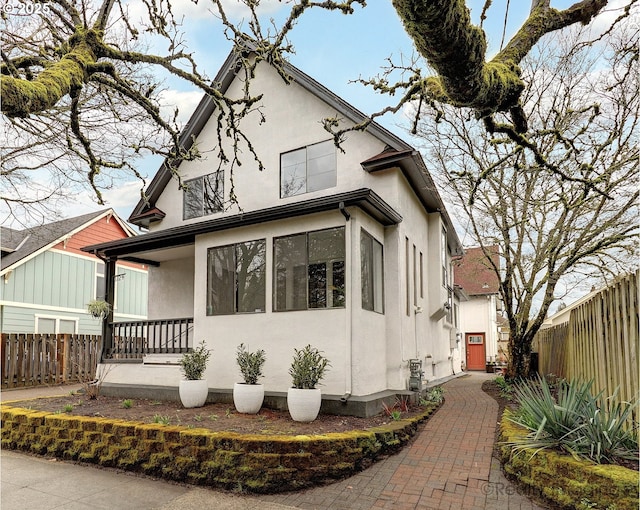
46 280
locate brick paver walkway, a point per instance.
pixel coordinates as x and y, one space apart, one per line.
448 465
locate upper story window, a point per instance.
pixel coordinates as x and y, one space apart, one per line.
444 259
203 195
309 270
236 278
101 286
310 168
371 264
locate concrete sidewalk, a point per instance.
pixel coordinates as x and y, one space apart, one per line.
448 466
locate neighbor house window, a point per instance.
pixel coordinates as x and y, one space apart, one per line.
56 325
309 270
236 278
310 168
101 289
371 264
203 196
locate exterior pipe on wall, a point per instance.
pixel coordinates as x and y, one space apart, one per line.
344 212
350 301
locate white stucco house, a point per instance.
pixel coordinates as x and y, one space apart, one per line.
484 337
347 251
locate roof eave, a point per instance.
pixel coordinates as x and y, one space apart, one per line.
414 169
182 235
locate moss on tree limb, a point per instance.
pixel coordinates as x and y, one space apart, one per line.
20 97
443 34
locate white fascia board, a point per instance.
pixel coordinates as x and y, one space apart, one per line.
71 233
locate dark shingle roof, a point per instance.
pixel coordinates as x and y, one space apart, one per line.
18 244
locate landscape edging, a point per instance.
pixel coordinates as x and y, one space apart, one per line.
228 460
568 482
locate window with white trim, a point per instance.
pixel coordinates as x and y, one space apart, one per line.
310 168
309 270
203 195
51 325
101 288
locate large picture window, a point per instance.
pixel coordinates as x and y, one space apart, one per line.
309 270
203 196
308 169
236 278
371 264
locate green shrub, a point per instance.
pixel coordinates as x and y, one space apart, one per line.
308 368
575 421
506 387
193 364
250 364
435 395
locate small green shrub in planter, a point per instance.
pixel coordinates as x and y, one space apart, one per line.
194 390
194 363
308 368
248 396
250 364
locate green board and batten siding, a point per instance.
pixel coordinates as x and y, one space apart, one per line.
56 284
52 279
131 292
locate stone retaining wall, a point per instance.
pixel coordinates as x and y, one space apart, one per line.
254 463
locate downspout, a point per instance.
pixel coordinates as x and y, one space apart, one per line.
349 315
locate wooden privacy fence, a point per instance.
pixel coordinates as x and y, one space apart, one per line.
552 350
39 359
600 342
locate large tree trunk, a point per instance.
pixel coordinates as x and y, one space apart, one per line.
519 356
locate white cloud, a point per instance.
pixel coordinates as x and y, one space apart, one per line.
186 102
189 10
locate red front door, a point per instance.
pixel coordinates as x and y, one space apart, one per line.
475 351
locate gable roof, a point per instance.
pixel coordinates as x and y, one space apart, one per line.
20 245
397 153
474 274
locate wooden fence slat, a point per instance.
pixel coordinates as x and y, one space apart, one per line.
600 343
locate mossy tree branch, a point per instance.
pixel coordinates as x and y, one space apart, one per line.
456 49
20 97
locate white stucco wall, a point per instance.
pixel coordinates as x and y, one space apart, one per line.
278 333
171 289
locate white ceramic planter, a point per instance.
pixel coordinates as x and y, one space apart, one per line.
248 397
193 393
304 405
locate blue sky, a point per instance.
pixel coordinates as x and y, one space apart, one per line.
332 48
